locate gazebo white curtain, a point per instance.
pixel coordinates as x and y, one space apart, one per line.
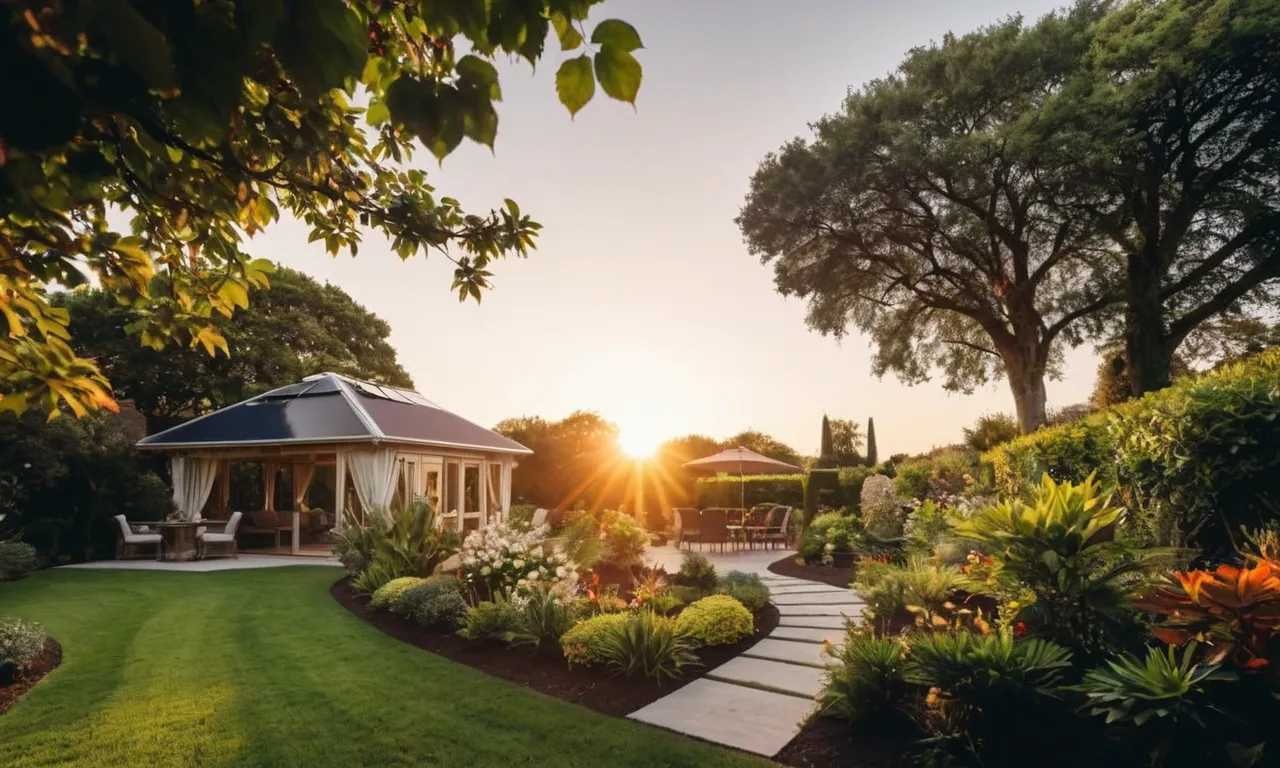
192 482
374 475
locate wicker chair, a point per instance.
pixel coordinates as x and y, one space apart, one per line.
687 525
780 534
714 527
128 542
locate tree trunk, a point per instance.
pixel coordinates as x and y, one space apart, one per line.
1027 384
1148 352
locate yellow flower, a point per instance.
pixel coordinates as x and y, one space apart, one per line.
1014 605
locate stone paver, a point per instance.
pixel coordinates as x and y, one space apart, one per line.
792 678
826 622
798 589
746 718
852 610
789 650
834 635
840 597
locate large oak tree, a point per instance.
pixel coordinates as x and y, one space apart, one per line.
203 122
914 217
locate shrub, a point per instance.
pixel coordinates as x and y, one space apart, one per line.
20 641
880 507
410 542
746 588
866 677
584 642
686 594
520 516
625 539
495 620
697 571
542 616
434 602
1067 453
654 646
17 559
840 531
991 430
926 525
1061 546
716 620
382 569
389 593
851 480
664 604
912 479
728 491
890 589
821 489
501 561
1202 458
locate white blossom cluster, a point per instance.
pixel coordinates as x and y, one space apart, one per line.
512 562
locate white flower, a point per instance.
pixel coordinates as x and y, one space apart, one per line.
532 576
518 564
830 547
485 571
561 571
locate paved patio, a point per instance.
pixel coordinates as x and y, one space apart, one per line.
206 566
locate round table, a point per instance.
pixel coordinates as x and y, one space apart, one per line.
180 536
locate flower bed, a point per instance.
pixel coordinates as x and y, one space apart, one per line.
546 670
25 678
825 574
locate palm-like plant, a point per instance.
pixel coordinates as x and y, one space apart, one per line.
1161 686
866 678
1061 545
651 645
983 669
541 617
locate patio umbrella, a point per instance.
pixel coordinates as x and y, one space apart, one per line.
743 462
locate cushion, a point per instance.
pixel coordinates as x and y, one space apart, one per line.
217 538
265 518
142 538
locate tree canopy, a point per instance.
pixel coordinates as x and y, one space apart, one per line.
1169 131
913 217
202 123
297 327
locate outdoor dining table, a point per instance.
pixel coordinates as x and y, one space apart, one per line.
180 536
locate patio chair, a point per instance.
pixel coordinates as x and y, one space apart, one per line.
539 518
686 522
129 540
770 520
227 536
713 527
780 534
267 522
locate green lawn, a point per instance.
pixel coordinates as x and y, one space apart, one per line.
262 667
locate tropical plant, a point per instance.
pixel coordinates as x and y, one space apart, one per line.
1061 546
17 559
584 642
716 620
625 539
581 542
664 604
356 545
386 595
382 569
927 523
891 589
652 645
490 620
543 615
866 677
697 571
407 541
21 641
1236 609
437 601
746 588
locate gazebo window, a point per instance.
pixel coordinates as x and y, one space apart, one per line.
493 490
472 513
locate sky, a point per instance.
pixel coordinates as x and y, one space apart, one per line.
641 302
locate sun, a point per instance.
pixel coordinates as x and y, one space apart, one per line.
638 444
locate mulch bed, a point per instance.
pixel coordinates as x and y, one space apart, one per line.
830 743
546 670
25 679
833 575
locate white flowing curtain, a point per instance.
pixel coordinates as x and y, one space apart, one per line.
302 476
374 475
192 482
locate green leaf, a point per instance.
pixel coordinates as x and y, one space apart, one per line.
138 44
569 36
619 73
481 123
617 33
575 84
475 72
321 43
378 112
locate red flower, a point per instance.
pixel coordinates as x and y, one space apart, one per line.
1019 629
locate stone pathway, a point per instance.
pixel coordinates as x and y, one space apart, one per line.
757 701
206 566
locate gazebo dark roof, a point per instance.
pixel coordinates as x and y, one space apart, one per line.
331 408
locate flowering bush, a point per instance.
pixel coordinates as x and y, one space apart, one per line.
506 561
20 641
881 509
387 594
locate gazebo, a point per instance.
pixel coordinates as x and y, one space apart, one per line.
376 447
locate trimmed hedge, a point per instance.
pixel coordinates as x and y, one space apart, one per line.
1194 462
716 620
586 641
726 491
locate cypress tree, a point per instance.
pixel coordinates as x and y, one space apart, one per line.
826 456
871 442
